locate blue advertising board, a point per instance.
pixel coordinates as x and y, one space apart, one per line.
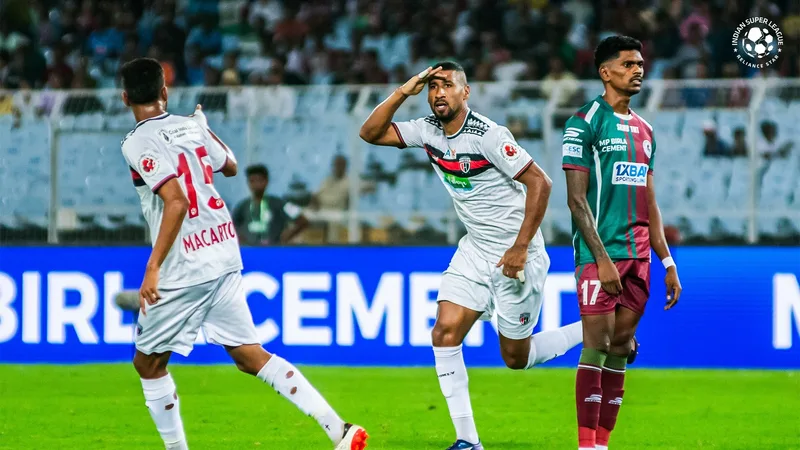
376 306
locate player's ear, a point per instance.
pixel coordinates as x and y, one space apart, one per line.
164 93
603 71
466 92
125 99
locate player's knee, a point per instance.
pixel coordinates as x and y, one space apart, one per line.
515 361
621 343
445 335
149 366
249 359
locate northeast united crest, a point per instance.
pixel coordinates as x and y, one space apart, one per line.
465 163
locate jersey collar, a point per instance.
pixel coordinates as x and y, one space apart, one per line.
605 105
466 119
158 117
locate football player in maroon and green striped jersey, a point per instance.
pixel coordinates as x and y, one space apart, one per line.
608 154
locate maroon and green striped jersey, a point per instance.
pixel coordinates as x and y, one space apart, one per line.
617 151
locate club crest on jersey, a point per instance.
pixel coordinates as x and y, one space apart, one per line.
148 164
524 318
165 136
510 151
648 148
465 163
629 173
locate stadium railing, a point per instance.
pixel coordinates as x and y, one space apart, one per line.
63 178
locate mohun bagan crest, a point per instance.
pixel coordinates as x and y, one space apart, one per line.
465 163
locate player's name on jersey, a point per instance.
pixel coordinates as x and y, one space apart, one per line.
208 237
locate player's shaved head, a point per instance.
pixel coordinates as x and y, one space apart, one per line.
142 81
611 47
459 75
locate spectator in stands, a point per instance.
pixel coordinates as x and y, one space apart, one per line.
171 39
559 77
714 146
105 41
207 39
768 145
334 193
739 143
269 11
693 51
264 219
195 68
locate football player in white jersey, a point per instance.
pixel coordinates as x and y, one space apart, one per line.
500 266
193 277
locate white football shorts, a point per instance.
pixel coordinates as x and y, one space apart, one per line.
219 306
476 283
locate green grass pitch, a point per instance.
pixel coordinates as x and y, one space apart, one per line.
101 407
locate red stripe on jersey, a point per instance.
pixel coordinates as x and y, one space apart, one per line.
642 238
214 136
630 197
161 183
575 167
580 114
521 171
455 165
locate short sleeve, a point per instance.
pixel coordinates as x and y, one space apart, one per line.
218 152
292 211
410 133
148 161
503 151
576 145
652 162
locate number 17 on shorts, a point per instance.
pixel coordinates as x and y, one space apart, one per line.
593 300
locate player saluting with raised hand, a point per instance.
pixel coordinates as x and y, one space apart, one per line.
501 265
608 157
193 277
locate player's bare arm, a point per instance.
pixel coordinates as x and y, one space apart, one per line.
300 224
577 186
377 129
659 244
175 206
538 186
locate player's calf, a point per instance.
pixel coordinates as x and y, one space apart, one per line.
161 398
289 382
613 376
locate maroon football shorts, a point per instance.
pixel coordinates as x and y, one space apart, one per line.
635 277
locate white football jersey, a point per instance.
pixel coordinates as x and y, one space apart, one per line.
169 146
478 165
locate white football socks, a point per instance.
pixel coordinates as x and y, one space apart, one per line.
454 382
165 409
550 344
289 382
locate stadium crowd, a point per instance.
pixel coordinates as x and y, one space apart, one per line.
63 44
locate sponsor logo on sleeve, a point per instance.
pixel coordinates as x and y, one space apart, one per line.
573 134
572 150
510 151
148 164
